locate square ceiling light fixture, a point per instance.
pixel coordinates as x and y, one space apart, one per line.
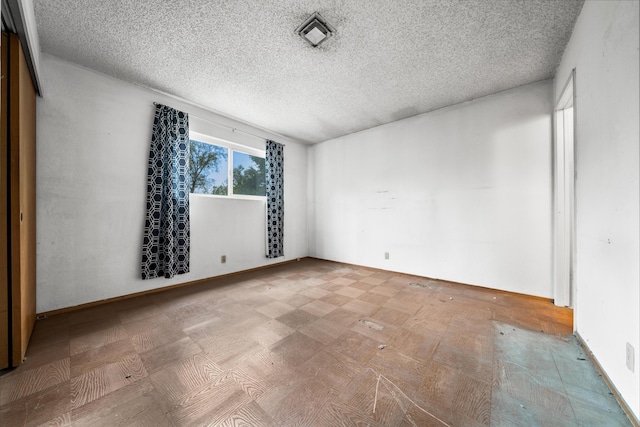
315 30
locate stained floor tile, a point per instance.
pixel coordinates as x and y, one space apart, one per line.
297 318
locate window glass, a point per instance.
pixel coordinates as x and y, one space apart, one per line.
248 174
208 168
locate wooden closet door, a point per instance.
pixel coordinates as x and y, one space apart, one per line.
4 203
21 212
22 185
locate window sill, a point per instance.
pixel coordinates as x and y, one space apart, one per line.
232 196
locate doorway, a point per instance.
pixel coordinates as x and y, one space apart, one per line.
564 198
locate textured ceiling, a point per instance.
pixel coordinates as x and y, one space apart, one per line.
389 60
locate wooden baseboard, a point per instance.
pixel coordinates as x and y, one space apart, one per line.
439 280
623 404
263 267
156 290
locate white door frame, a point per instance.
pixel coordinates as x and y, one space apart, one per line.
564 280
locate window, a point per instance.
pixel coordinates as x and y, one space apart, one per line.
225 171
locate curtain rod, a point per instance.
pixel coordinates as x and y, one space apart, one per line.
233 129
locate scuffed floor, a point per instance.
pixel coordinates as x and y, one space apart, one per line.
311 343
546 380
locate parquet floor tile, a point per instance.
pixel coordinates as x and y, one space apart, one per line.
318 308
37 408
323 330
25 383
84 362
335 299
177 379
106 379
311 343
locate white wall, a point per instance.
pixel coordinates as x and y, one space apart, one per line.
461 194
93 145
604 51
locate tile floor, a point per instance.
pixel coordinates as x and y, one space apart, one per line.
311 343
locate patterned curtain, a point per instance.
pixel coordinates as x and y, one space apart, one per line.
274 161
165 249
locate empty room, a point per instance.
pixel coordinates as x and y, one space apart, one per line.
320 213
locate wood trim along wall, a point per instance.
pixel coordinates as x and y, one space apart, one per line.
156 290
195 282
441 280
623 404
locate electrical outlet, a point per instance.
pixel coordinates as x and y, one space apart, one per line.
223 259
630 357
386 255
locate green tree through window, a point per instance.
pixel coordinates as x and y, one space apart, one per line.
208 164
248 174
209 171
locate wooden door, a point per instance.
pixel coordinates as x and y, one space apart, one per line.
4 202
20 135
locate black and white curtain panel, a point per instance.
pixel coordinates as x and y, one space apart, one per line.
274 160
166 243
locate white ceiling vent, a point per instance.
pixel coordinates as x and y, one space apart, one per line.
315 30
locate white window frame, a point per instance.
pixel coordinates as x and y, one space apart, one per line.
231 147
564 198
